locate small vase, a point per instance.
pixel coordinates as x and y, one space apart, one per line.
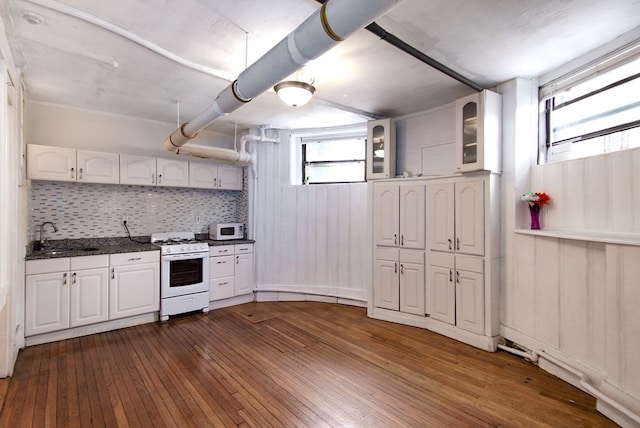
534 210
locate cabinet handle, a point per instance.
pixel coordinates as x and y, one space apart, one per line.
395 239
73 278
221 263
450 244
220 182
64 278
153 179
73 173
458 277
395 267
237 260
133 259
401 269
402 240
80 177
457 243
224 283
450 275
224 251
159 178
215 182
113 273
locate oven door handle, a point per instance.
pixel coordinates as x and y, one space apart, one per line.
187 256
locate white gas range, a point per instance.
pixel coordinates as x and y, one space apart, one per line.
184 273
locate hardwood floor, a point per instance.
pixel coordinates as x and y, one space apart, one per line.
284 364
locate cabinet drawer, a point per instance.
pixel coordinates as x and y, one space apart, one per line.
90 262
243 248
221 250
124 259
47 266
221 266
221 288
444 260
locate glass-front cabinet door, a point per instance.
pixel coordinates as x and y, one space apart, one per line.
478 132
381 149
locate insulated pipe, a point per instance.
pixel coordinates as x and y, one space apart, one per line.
333 22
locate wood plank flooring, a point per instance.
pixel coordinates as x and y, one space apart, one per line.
283 364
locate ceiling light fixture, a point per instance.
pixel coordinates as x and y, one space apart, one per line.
294 92
33 18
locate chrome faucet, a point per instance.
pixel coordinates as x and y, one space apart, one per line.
43 241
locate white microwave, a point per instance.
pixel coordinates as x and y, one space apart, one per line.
226 231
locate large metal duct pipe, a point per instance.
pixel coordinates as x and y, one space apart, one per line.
332 23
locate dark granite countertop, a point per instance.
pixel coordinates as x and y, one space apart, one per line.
89 247
95 246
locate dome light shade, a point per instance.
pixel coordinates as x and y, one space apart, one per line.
294 93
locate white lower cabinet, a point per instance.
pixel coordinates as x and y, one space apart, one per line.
231 271
134 285
65 292
399 280
457 290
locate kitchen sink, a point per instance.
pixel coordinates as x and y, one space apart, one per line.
54 251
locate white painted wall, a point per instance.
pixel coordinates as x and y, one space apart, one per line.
56 125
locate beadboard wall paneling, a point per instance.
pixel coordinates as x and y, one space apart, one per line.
82 210
596 193
309 239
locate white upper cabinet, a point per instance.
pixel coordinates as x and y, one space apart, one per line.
65 164
215 176
51 163
98 167
478 132
456 217
172 172
399 215
203 175
229 177
381 149
137 170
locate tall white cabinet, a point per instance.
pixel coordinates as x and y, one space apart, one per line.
399 234
436 255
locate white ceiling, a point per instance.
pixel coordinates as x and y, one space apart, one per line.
67 60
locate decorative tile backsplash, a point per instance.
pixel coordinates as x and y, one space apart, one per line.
82 210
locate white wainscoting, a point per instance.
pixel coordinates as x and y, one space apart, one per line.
575 297
309 239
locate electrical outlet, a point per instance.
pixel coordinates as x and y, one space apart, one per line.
125 219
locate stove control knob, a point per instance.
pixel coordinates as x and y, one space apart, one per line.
167 250
182 249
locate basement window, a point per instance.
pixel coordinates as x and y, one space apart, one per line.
593 111
333 160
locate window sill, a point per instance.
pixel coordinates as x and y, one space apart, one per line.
606 237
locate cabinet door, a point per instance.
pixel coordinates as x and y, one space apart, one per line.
229 177
98 167
441 204
470 217
134 290
89 298
137 170
203 175
386 286
243 274
470 301
387 215
412 210
46 303
469 143
51 163
412 288
442 292
381 149
172 172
